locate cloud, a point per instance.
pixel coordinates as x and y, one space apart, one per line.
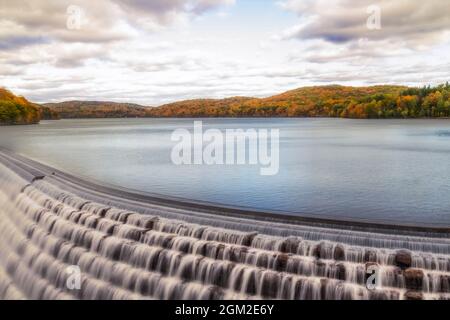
15 42
18 38
155 14
6 71
88 21
76 55
167 7
413 23
56 28
91 22
361 51
201 6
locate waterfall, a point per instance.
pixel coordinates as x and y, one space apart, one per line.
121 249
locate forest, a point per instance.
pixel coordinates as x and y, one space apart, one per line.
18 110
374 102
97 109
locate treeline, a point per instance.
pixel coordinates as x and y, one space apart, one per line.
202 108
48 114
376 102
18 110
97 109
323 101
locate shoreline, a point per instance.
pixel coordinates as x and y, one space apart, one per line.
224 118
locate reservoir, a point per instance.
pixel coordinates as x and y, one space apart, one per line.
374 170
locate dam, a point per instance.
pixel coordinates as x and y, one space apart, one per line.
132 245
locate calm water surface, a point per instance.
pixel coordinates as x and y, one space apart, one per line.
396 170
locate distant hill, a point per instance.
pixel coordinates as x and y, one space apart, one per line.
48 114
318 101
199 107
323 101
97 109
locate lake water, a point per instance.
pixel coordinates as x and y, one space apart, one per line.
396 170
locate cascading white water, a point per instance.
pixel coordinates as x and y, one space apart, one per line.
46 228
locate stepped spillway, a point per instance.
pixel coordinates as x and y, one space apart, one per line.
133 246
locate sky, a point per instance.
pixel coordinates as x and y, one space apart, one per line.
153 52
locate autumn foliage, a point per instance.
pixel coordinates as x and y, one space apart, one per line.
376 102
323 101
97 109
18 110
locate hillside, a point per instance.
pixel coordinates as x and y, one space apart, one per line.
199 107
17 110
97 109
323 101
319 101
48 114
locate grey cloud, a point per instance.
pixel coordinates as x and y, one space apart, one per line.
163 7
150 15
41 19
71 57
353 52
201 6
30 22
101 20
40 85
6 71
341 21
16 42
